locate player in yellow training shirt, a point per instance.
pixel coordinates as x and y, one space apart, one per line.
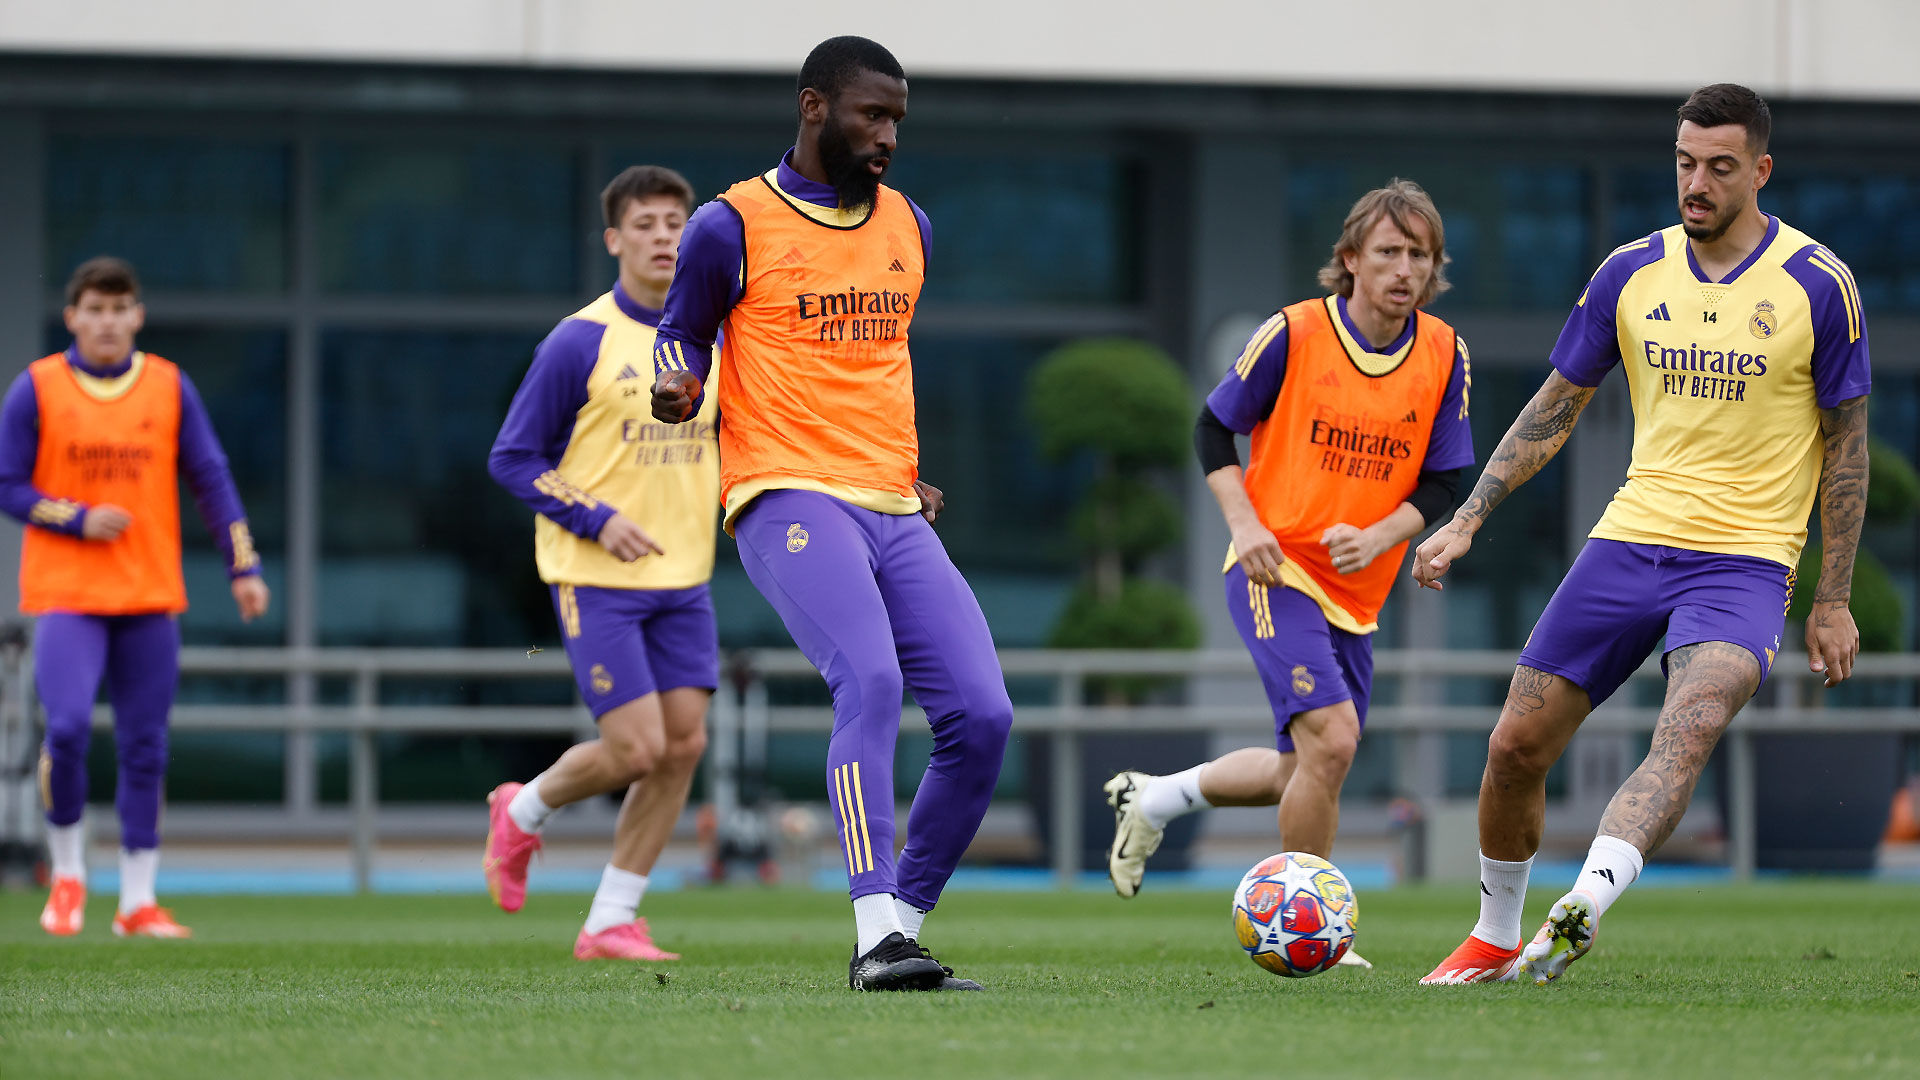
1745 352
628 509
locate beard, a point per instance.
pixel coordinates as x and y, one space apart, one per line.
853 182
1713 228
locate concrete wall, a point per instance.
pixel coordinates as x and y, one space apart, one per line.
1810 48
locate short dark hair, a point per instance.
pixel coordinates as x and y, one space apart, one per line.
1730 103
837 61
103 274
640 182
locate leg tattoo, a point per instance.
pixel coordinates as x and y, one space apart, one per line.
1706 685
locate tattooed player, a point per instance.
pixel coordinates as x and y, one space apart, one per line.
1746 356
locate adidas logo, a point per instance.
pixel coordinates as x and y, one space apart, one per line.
1327 380
626 372
897 268
1412 417
1659 314
1603 871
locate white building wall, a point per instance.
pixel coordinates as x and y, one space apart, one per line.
1811 48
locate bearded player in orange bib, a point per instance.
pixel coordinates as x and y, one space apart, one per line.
1357 408
814 270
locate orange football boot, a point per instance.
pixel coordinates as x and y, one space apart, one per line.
66 907
1474 961
150 920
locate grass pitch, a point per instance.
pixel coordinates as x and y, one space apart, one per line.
1815 977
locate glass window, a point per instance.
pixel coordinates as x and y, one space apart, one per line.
1027 227
402 218
711 170
1519 236
418 545
1496 593
1007 523
188 213
1872 220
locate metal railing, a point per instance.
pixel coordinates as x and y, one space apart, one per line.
1066 722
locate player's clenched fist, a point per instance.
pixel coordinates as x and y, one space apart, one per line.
105 522
673 396
1437 554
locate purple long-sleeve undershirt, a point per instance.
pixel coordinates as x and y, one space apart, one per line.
202 464
525 458
706 283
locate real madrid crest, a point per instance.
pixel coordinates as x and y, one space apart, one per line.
1302 680
602 681
1764 322
796 538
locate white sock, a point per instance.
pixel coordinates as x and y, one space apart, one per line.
137 871
1503 892
67 844
1612 865
874 917
1168 797
616 900
911 918
526 809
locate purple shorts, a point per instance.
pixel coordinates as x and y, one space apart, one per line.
1304 662
1619 599
628 643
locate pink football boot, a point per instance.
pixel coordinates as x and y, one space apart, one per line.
508 851
628 941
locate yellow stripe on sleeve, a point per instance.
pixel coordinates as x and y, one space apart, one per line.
1261 339
1847 301
1849 291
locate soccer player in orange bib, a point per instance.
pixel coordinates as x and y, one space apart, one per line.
1745 352
1357 408
814 269
94 442
580 447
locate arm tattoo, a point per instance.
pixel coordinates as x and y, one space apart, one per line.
1538 434
1706 685
1843 497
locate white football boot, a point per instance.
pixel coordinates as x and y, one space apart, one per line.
1571 926
1351 959
1134 837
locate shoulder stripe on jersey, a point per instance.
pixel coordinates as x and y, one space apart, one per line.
1849 291
1637 245
1466 373
1261 339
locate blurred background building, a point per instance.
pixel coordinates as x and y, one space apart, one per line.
355 220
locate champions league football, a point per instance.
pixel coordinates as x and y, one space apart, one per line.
1295 914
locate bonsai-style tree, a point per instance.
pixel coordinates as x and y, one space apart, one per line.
1125 405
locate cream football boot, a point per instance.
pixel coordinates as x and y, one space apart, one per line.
1134 837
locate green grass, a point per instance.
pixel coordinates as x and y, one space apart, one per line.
1808 978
